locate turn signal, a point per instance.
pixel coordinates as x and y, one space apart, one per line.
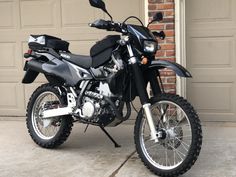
144 61
28 54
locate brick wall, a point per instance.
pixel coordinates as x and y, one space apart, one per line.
167 51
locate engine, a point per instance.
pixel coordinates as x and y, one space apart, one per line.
96 108
98 103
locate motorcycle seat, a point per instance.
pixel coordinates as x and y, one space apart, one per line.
79 60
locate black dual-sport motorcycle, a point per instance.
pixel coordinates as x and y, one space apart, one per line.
99 88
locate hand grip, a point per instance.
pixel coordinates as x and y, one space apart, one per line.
100 24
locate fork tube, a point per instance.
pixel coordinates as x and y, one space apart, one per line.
155 85
140 84
142 92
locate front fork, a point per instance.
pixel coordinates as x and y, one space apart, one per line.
142 92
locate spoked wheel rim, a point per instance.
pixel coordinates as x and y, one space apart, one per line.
45 130
173 148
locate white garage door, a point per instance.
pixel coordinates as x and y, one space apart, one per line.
67 19
211 49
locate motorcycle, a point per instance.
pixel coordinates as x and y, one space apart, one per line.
99 89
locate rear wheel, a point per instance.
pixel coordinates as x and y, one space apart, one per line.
180 144
51 132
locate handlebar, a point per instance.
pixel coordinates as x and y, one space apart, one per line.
107 25
119 27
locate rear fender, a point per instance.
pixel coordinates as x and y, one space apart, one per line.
177 68
29 76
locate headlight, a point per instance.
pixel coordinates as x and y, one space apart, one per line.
150 46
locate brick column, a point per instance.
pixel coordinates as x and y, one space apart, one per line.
167 51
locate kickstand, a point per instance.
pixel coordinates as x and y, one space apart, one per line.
109 136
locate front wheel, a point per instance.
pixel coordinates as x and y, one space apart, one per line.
180 144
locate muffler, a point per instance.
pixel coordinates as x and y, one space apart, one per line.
35 66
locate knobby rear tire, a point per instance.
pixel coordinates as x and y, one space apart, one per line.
66 122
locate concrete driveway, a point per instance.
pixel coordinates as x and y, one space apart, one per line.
93 155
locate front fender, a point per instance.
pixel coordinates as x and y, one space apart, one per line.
161 64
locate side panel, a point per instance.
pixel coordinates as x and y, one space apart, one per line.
70 73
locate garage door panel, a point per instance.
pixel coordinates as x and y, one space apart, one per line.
218 75
218 99
7 55
10 90
8 14
201 10
78 13
39 13
81 47
210 14
12 99
124 8
10 64
211 52
213 101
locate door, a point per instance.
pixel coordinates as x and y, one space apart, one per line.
211 37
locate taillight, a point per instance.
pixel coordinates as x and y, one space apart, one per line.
29 51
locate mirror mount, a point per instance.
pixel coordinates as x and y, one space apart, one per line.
157 17
100 5
108 14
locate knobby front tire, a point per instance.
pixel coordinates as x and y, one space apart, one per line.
180 146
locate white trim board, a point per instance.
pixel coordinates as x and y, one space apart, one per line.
146 13
180 43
